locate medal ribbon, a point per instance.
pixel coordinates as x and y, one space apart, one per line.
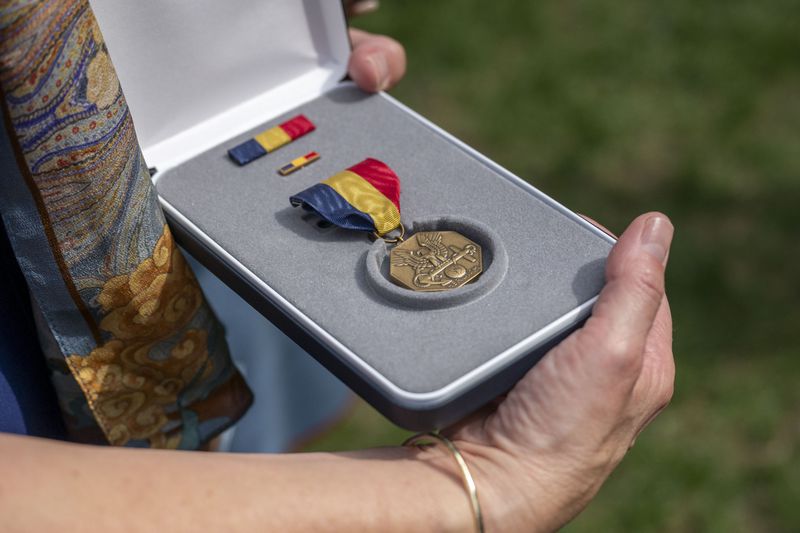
271 139
365 197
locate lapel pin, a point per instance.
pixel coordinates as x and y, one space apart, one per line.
297 164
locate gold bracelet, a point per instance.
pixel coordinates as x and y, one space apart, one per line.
469 482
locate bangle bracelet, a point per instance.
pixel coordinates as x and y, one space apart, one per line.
469 482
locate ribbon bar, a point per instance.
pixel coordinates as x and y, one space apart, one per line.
365 197
297 164
271 139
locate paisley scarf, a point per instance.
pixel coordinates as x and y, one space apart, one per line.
136 356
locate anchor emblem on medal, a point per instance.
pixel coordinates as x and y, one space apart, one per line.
435 261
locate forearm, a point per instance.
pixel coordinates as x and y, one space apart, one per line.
47 484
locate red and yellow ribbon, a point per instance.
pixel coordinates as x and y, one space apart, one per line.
365 197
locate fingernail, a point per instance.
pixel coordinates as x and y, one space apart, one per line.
381 68
657 236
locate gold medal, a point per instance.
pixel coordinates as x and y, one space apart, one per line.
435 261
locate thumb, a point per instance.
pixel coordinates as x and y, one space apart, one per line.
377 62
616 333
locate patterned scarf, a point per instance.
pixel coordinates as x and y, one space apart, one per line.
137 356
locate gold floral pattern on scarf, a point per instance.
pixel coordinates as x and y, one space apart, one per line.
128 381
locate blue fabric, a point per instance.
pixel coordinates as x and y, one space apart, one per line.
246 152
329 204
28 404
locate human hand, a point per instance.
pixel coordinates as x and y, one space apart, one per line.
542 455
377 62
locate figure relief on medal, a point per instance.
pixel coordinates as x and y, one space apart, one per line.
435 261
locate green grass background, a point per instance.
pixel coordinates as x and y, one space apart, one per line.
690 107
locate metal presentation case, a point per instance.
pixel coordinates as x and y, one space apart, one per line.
208 75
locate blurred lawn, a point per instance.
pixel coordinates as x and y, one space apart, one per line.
691 107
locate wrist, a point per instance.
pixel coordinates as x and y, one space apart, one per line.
518 490
443 483
520 493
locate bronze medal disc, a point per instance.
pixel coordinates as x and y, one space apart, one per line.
435 261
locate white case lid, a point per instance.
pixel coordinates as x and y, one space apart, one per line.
198 72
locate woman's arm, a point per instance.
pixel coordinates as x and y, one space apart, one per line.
538 456
49 485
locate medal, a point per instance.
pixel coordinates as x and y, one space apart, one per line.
435 261
366 197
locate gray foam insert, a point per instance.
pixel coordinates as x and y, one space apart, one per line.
554 261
